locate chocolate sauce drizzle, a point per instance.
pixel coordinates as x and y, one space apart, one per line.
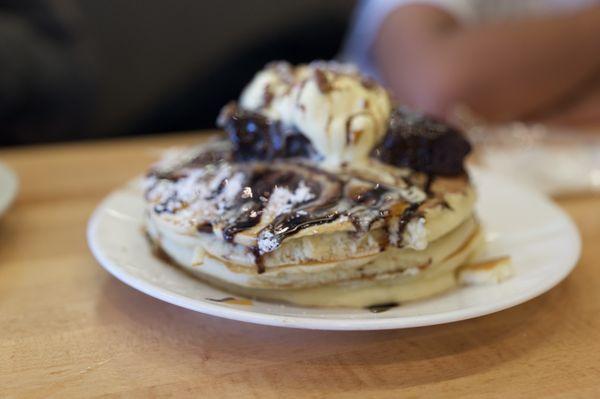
371 196
258 260
362 207
263 180
246 220
261 184
288 224
363 202
384 307
225 299
410 213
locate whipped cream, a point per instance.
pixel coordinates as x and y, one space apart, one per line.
342 113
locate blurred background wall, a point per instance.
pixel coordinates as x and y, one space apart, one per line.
156 65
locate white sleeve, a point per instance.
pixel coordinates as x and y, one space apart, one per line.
370 14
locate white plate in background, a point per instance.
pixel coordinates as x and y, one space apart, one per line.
540 238
8 187
550 160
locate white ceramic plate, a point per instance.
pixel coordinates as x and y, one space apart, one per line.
8 187
540 238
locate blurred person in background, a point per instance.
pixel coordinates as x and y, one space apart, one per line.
44 81
502 59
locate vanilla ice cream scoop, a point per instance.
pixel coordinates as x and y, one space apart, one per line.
342 113
269 92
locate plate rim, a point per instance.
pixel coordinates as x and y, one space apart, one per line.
13 184
315 323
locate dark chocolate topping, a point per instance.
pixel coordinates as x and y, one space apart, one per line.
255 137
423 144
370 196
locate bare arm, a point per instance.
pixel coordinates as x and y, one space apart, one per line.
581 110
502 70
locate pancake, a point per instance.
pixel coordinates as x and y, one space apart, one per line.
382 281
375 210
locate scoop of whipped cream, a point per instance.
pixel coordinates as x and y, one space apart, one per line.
342 113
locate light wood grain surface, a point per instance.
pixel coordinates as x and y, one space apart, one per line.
68 329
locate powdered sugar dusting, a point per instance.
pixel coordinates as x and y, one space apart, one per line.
411 271
232 188
188 188
199 194
267 242
415 234
393 228
283 200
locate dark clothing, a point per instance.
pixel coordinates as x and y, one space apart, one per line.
44 88
144 67
198 103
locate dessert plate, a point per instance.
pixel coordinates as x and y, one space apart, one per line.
8 187
541 240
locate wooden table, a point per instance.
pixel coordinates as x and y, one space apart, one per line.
69 329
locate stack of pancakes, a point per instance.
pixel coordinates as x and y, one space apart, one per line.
267 214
